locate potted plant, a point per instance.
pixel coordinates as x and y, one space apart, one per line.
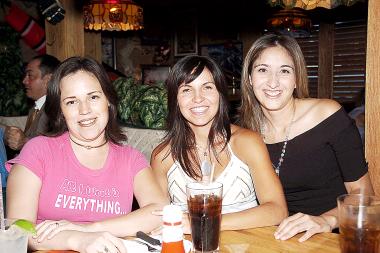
13 101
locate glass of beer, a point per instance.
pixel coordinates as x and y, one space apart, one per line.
359 223
205 210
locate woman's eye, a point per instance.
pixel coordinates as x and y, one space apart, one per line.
285 71
208 87
185 90
262 70
71 102
94 97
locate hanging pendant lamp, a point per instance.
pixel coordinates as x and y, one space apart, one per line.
113 15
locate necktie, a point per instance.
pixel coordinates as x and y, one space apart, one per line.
31 117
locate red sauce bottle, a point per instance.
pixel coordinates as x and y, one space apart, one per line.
172 232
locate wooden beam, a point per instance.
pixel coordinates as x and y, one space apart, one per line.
66 38
372 102
93 45
326 55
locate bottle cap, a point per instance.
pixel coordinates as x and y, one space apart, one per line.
172 214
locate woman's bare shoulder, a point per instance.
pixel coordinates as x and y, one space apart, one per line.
318 109
239 132
312 111
242 137
246 144
161 156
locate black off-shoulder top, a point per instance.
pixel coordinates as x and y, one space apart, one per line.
318 162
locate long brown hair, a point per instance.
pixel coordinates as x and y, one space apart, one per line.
57 123
179 135
251 115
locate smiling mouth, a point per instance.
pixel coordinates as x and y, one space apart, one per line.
272 93
200 109
87 122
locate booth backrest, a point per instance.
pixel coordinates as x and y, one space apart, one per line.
144 140
19 121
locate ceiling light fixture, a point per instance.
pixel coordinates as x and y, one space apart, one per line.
292 22
113 15
311 4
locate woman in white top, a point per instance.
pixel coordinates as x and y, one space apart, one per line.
198 128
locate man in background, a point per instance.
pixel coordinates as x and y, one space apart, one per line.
37 76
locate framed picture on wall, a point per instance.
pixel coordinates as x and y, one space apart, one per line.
108 50
228 55
186 37
152 74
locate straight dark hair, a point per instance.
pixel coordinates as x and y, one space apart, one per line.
179 134
57 122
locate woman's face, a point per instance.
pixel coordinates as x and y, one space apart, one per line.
199 100
273 78
84 106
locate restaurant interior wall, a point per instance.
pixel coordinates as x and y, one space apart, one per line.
244 21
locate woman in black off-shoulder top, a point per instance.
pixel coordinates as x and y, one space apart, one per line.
314 146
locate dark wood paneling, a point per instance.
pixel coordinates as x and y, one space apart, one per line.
326 42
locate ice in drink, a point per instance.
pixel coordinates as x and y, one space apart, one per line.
13 240
359 223
359 240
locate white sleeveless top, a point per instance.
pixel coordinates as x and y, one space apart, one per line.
238 187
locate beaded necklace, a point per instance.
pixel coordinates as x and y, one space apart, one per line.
283 151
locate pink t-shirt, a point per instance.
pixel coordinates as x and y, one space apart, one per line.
73 192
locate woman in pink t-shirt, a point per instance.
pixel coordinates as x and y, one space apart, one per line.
78 183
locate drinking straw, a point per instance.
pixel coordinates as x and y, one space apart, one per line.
212 173
206 171
2 223
361 211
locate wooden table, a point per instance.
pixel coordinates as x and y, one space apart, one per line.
261 240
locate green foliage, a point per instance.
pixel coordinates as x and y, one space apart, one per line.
142 105
13 101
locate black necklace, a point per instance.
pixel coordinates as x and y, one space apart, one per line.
87 146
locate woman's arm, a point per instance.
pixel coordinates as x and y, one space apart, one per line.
22 203
23 189
326 222
150 198
250 148
160 165
363 185
348 148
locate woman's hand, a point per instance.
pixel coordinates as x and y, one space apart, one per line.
185 225
300 222
103 242
85 242
49 228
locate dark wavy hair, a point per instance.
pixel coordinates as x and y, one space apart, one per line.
179 134
57 123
